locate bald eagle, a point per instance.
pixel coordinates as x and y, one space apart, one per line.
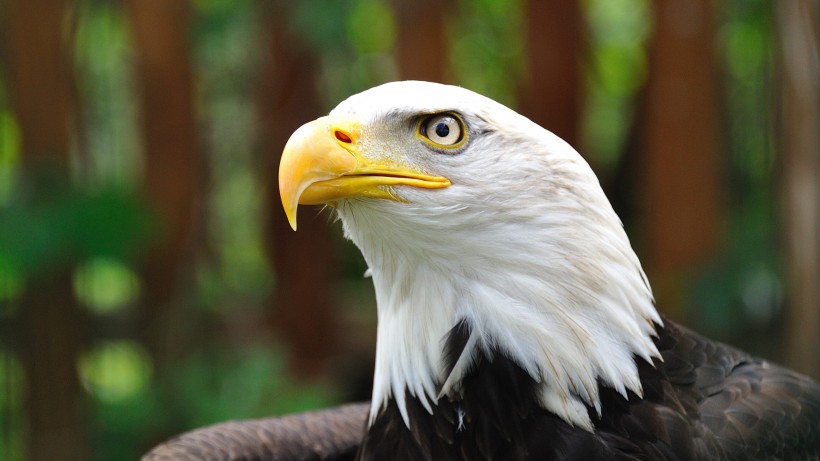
514 319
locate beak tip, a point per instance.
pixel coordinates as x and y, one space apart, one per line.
290 212
289 196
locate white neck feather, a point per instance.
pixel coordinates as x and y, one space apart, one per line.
567 300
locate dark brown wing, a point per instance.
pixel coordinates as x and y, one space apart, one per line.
704 401
332 434
737 406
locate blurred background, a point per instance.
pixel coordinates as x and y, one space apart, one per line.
150 284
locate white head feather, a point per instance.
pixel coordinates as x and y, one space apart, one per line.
524 245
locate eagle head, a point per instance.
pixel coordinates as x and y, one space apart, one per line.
466 211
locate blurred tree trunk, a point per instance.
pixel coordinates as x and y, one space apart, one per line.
172 164
680 148
551 96
798 23
421 46
303 262
52 333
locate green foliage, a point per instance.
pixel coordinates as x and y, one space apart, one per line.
125 427
105 285
371 27
618 34
9 154
353 40
46 226
12 283
228 382
321 24
225 68
487 47
743 287
237 227
104 79
211 385
746 40
115 371
12 394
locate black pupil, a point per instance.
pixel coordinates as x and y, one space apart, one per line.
442 130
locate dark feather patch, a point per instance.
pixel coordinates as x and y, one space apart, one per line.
454 343
705 400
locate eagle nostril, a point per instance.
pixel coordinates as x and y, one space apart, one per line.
342 136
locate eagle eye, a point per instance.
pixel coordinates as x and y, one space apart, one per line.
443 130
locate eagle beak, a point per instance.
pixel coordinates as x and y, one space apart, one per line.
323 162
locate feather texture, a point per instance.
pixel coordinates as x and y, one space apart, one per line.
327 435
704 401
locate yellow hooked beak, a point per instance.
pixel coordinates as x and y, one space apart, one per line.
323 162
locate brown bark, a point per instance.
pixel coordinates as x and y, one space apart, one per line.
53 334
172 164
551 95
302 310
39 73
798 23
52 328
421 46
681 150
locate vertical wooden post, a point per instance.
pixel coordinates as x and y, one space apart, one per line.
551 96
421 45
52 331
681 196
798 22
172 163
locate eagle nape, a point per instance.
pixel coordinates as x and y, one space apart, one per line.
515 320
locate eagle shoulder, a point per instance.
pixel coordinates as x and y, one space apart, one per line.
733 405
